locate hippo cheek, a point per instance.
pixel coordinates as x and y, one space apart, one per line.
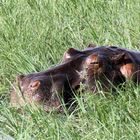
93 71
38 97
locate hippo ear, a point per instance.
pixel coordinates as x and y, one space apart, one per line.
91 46
70 53
119 57
19 78
34 85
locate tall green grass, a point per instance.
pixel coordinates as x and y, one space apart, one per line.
33 36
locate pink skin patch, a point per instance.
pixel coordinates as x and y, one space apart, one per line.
127 70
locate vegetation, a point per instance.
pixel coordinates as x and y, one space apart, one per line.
33 36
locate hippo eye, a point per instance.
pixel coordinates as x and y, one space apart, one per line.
94 63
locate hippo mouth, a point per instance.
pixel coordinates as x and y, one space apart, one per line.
94 89
38 97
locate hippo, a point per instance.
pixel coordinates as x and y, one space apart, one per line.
49 86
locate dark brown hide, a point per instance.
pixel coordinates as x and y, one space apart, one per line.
128 62
44 86
100 66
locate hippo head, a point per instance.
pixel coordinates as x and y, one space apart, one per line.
45 90
30 89
100 69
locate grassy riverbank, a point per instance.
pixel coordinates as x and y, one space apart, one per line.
33 36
